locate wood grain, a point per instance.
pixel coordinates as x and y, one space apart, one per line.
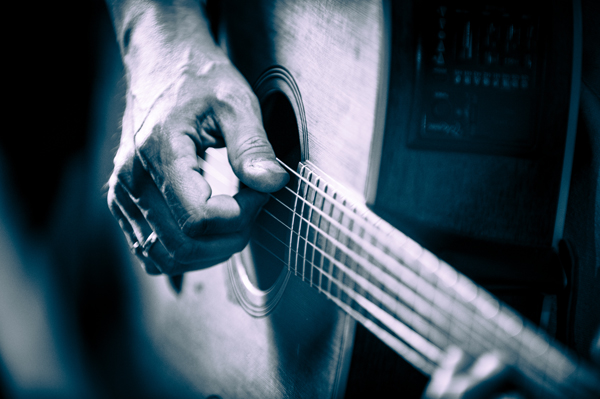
333 51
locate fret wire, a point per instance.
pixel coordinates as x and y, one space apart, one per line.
337 249
328 244
353 265
321 258
340 251
348 223
402 331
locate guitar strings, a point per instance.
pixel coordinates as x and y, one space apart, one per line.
353 216
404 345
536 373
353 275
488 325
345 211
404 312
379 273
512 345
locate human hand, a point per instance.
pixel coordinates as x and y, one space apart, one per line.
184 96
485 377
458 378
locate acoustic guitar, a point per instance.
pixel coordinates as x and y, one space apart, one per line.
278 319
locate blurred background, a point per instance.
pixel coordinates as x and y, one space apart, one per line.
69 294
67 287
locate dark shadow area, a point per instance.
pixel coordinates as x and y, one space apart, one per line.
56 156
69 250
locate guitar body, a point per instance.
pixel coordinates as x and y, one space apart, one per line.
257 326
299 346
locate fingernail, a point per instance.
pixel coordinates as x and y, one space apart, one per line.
270 166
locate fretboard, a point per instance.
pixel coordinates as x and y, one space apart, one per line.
406 296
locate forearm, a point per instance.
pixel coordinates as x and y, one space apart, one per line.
159 40
170 17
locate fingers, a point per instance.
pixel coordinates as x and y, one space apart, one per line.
133 236
442 379
486 375
222 227
459 378
158 187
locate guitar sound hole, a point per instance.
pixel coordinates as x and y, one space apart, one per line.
269 252
281 126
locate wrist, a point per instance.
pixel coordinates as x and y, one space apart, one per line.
159 42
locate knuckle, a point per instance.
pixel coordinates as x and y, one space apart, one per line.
235 96
123 171
251 146
146 144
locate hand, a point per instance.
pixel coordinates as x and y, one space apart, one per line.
183 97
483 378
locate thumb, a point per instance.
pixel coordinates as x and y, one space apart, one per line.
250 153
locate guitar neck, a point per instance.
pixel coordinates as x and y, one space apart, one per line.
414 302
